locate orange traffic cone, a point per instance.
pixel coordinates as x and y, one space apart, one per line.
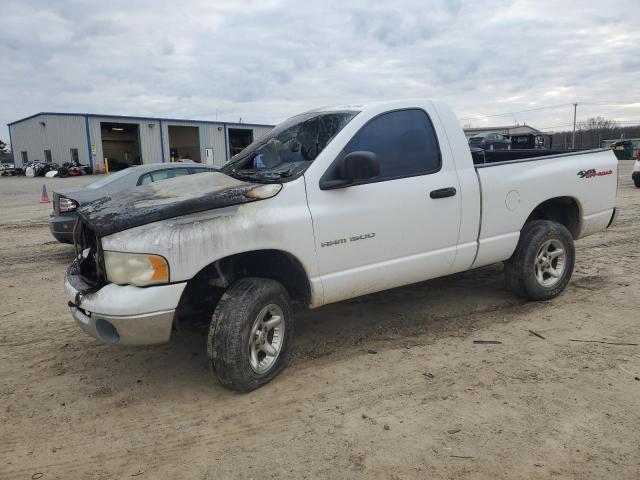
44 198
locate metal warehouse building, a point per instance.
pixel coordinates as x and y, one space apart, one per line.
123 141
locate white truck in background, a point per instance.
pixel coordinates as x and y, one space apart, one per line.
329 205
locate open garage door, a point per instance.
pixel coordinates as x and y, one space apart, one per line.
239 139
184 143
120 144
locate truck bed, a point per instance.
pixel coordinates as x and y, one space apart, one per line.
482 157
514 182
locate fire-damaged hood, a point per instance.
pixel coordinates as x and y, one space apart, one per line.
168 199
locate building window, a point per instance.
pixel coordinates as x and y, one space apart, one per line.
25 158
47 156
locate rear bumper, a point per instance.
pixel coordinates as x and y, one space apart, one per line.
125 315
61 227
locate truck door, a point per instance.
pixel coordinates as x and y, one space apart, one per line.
398 228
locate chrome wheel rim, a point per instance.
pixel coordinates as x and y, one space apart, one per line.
550 263
266 338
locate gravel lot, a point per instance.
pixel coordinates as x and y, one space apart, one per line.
387 386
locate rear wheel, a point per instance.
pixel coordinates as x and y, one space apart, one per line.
542 264
250 333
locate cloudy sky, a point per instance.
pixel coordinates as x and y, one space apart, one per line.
266 60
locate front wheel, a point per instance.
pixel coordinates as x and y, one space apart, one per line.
250 333
542 264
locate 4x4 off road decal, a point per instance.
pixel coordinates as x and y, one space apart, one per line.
593 173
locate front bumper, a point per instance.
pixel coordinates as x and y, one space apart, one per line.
125 315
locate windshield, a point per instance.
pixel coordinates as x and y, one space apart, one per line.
107 179
289 148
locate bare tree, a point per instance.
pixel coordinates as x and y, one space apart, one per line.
595 129
562 139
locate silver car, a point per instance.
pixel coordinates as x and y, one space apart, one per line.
67 201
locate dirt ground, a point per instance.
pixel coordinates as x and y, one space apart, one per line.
387 386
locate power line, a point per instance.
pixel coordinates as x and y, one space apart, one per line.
479 116
612 104
547 107
584 122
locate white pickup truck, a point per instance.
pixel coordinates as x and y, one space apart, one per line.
329 205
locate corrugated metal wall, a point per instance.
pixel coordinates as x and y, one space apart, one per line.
209 137
60 133
212 135
149 139
259 132
63 132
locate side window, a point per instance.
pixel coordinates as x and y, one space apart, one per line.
404 141
161 175
178 172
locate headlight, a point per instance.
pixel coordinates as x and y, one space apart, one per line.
137 269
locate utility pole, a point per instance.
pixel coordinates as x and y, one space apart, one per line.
573 137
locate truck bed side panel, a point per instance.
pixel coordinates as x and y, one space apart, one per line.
511 191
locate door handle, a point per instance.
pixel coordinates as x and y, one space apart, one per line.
443 192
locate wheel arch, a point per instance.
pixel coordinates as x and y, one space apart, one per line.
205 288
563 210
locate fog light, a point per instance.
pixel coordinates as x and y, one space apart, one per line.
107 331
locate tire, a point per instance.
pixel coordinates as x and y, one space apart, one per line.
535 270
246 305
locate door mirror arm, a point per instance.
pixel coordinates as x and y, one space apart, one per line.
333 184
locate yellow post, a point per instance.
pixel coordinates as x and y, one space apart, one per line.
106 165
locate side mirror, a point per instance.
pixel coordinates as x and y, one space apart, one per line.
352 168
